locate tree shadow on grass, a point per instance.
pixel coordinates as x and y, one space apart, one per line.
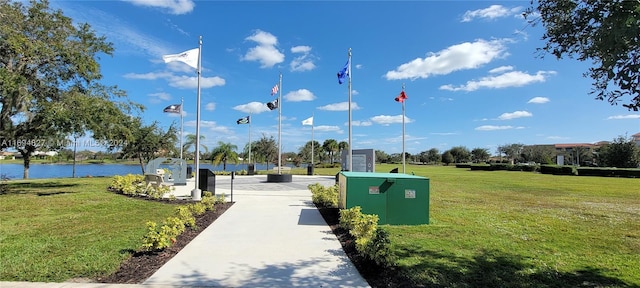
33 188
497 269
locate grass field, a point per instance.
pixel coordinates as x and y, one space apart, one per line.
488 229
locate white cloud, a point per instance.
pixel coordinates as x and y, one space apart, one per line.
299 95
491 12
444 133
358 66
514 115
177 7
361 123
159 97
354 92
342 106
327 128
386 119
182 82
538 100
558 138
210 126
501 69
210 106
266 51
303 62
618 117
492 127
509 79
252 107
468 55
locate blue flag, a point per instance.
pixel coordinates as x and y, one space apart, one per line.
344 73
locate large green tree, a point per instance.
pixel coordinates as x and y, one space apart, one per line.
331 147
149 141
604 32
46 63
224 153
621 153
480 155
305 151
265 149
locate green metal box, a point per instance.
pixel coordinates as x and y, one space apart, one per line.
397 199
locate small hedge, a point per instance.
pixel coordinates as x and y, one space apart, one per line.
372 242
608 172
463 165
324 196
558 170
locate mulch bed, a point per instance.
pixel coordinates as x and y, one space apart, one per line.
141 265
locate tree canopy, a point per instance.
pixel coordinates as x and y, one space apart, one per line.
604 32
49 80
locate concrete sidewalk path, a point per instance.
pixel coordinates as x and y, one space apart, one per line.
272 236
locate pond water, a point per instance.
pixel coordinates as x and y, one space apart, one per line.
15 171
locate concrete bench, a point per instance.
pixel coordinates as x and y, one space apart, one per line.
154 180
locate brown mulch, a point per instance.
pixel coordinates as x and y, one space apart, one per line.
141 265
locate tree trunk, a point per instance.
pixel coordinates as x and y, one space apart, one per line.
141 164
26 159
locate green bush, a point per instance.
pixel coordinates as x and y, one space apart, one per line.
372 242
324 196
130 184
463 165
608 172
379 248
185 215
158 239
558 170
480 167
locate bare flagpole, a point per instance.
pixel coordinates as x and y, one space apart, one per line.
350 154
312 124
181 124
403 154
280 124
195 193
249 138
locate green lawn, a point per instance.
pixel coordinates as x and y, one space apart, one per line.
57 229
488 229
522 229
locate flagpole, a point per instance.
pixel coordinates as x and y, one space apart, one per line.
280 124
249 162
403 154
181 124
195 193
350 154
312 124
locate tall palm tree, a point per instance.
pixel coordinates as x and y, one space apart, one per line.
223 153
190 140
343 145
330 146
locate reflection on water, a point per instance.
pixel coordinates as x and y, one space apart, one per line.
15 171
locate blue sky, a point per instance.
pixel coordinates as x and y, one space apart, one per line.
469 68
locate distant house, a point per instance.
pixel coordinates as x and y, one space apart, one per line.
4 155
636 138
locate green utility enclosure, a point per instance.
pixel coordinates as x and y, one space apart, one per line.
397 199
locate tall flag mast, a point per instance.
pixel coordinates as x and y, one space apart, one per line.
195 193
401 98
342 74
280 124
309 121
193 58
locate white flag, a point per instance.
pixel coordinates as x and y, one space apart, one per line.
308 121
189 57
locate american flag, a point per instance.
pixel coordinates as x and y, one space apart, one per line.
274 90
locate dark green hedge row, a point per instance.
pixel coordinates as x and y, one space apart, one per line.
463 165
504 167
609 172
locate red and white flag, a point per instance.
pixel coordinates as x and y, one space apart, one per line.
401 97
274 90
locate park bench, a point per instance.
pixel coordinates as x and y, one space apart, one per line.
155 180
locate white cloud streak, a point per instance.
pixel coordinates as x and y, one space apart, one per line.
387 120
514 115
342 106
509 79
491 12
620 117
492 128
177 7
467 55
252 107
538 100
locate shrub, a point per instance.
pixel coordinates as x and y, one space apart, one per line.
372 242
197 208
463 165
379 248
185 215
324 196
558 170
130 184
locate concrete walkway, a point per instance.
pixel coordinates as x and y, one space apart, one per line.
273 236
